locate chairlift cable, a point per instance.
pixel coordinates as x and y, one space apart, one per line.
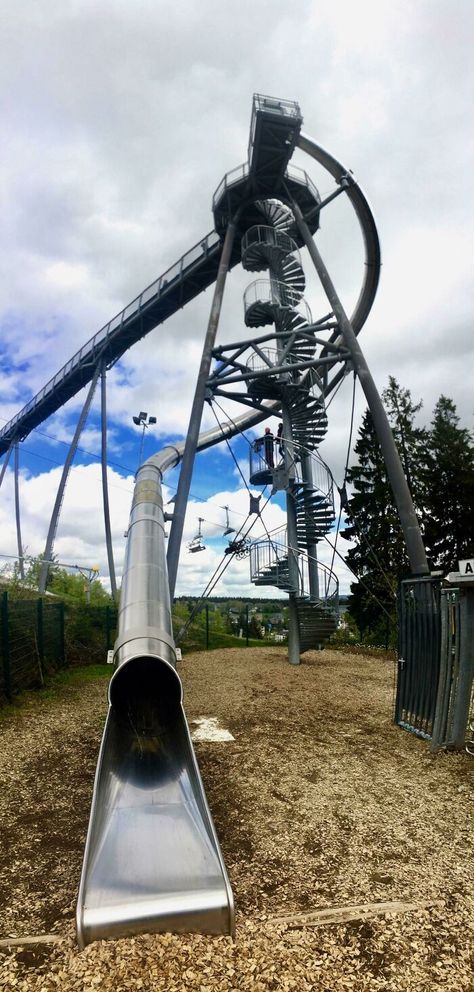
230 449
215 578
362 582
229 418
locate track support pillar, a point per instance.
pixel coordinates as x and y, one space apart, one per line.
53 526
177 526
105 487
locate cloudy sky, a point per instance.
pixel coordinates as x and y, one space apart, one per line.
119 120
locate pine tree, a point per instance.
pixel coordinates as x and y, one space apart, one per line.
411 440
379 557
377 554
449 482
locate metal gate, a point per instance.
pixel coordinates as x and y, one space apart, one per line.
451 726
419 643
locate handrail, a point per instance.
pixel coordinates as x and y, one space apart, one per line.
279 294
164 282
264 556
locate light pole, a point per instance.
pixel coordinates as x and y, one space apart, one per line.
143 420
89 574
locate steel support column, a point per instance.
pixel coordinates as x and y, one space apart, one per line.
5 464
313 574
17 512
401 492
291 522
53 526
292 531
179 510
105 487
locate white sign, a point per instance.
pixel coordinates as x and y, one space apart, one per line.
466 567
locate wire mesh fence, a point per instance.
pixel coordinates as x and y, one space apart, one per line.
209 630
38 637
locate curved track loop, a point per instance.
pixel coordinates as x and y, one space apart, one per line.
366 220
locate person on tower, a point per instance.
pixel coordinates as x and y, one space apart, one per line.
266 442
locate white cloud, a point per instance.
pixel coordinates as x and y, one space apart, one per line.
120 121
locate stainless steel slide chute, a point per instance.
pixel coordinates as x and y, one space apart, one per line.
152 860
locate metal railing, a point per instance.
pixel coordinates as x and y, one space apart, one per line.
164 283
317 473
269 559
269 358
285 108
240 172
278 294
261 234
270 554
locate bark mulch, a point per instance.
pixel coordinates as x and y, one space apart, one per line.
320 802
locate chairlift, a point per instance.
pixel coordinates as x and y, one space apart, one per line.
228 528
239 548
196 543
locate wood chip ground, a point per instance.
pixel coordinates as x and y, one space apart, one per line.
319 803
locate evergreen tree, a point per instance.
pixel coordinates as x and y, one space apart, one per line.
411 440
449 482
378 553
379 557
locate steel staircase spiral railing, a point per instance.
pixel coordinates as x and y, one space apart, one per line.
317 618
279 300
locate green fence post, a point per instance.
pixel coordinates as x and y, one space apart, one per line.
207 626
247 626
62 647
109 625
40 636
6 647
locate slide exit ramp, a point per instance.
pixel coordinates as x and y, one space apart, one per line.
152 860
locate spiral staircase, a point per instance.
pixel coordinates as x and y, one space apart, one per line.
279 301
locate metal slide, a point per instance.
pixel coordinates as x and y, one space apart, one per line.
152 860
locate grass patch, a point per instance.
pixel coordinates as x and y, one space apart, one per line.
54 686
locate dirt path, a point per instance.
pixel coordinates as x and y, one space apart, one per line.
319 802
